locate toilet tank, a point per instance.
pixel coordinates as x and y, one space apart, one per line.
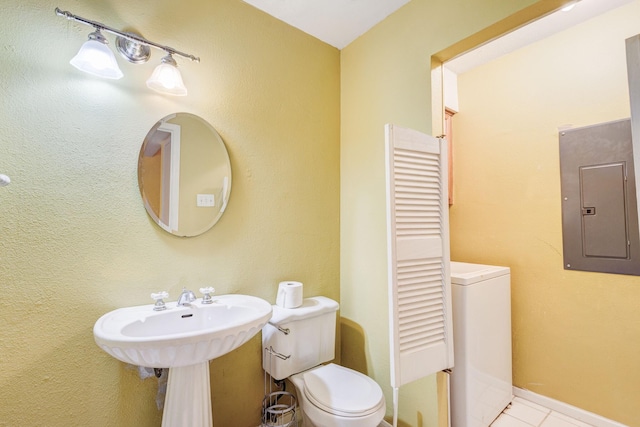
305 336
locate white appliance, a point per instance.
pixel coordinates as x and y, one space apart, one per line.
481 384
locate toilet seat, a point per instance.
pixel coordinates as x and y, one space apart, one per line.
342 391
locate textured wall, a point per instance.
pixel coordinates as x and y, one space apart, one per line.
75 240
386 78
575 334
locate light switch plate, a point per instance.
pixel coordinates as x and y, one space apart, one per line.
205 200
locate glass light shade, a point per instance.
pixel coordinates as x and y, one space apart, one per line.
166 78
96 58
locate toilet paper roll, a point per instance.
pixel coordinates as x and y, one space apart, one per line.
289 294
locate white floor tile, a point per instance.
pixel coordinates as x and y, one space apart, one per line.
572 421
531 404
556 422
505 420
523 413
527 413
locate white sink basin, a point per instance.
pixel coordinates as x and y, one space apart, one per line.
181 336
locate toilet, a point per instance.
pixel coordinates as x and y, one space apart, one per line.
300 340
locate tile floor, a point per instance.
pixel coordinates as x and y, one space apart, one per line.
522 413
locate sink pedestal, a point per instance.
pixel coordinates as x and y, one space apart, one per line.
188 398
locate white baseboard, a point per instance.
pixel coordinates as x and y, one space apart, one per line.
566 409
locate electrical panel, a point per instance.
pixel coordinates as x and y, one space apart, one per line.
599 213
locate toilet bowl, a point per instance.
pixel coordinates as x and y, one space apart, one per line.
335 396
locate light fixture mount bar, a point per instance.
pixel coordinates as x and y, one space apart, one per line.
129 36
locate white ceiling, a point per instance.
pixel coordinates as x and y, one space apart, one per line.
339 22
336 22
543 27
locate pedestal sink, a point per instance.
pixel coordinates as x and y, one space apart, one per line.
183 339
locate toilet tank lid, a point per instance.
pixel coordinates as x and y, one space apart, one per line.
311 307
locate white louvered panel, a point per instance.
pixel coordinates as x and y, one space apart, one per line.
417 193
420 305
418 255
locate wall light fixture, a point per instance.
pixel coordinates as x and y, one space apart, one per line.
166 78
96 58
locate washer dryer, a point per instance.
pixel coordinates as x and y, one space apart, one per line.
481 382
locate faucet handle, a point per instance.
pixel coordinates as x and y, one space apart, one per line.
206 292
159 298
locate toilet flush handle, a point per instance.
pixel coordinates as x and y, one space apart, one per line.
285 331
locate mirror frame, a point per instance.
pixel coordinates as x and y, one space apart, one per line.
165 143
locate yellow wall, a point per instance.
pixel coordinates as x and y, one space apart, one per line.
575 334
75 240
385 78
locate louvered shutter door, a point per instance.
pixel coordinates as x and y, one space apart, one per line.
418 255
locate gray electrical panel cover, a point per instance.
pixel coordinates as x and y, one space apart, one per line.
599 214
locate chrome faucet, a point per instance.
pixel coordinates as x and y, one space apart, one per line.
186 297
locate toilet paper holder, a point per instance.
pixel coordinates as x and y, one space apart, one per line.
272 352
279 406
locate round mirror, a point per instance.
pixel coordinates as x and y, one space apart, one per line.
184 174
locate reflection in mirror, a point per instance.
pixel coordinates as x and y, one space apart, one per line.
184 174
